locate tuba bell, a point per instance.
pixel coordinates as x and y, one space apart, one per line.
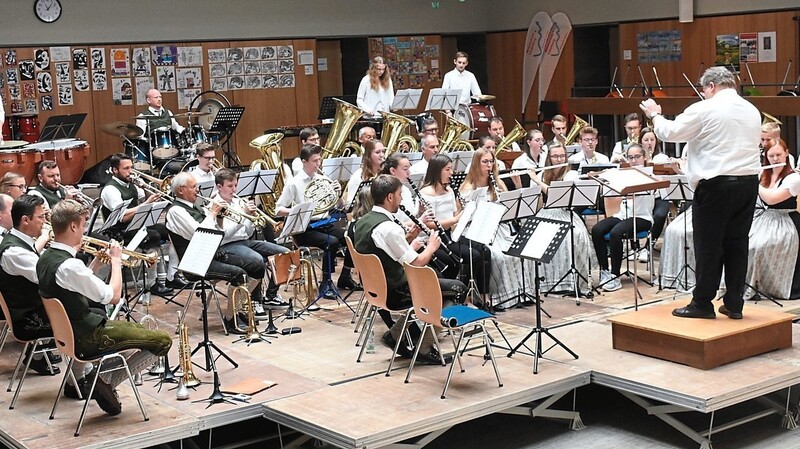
269 145
769 118
337 144
514 135
395 133
575 130
451 136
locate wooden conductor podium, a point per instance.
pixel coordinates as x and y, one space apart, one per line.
700 343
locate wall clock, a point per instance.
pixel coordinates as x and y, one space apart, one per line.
48 11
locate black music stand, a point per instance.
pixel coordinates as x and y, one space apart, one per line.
62 127
327 108
679 190
520 204
296 223
363 185
196 260
456 179
225 123
538 240
568 195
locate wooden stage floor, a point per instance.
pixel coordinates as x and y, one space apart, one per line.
321 391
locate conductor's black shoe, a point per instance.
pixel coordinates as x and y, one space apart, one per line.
41 367
732 315
160 290
691 311
433 358
347 282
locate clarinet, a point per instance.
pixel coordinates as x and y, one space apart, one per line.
424 229
493 183
444 236
441 266
460 198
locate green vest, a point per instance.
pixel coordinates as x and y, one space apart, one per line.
395 274
128 192
50 196
164 120
21 295
178 241
83 320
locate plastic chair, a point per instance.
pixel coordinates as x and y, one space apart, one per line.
65 341
426 295
639 236
38 348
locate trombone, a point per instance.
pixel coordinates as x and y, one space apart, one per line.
97 247
152 185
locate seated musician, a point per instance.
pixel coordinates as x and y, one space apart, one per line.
588 155
771 136
497 131
204 170
633 127
621 225
13 185
559 125
377 233
371 161
429 147
438 195
650 144
429 126
651 147
553 272
155 109
241 246
505 282
65 277
327 237
121 188
19 252
308 136
534 155
49 187
6 222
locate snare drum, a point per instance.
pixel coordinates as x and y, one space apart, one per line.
198 134
162 143
20 160
476 116
139 151
28 128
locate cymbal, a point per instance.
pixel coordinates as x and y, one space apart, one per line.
192 114
8 144
484 97
152 117
121 129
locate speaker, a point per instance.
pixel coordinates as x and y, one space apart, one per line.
99 173
685 11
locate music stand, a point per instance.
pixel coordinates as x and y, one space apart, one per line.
456 179
225 123
461 160
416 179
196 260
62 127
443 99
349 208
478 223
340 168
567 195
679 190
256 182
406 99
296 223
115 216
414 158
327 108
538 240
520 204
206 188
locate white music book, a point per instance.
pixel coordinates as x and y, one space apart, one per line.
201 250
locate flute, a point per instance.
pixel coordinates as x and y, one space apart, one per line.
439 264
770 167
443 235
527 170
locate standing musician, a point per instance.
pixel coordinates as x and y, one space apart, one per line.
375 91
461 78
588 155
633 126
505 282
371 161
429 148
121 188
240 243
13 184
722 165
437 193
204 170
49 187
377 233
559 125
533 153
19 252
63 276
621 225
327 237
308 136
154 108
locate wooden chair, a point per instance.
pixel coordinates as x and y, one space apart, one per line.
37 348
363 306
426 295
65 342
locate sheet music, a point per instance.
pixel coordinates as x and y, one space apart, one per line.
206 188
485 221
444 99
137 240
147 214
201 250
678 190
466 216
340 168
298 219
629 180
540 240
461 160
115 216
416 179
529 201
510 201
414 157
406 99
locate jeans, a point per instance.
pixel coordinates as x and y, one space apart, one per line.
618 229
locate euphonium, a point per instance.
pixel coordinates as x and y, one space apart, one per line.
324 192
395 133
769 118
308 277
185 355
269 145
514 135
575 130
337 144
97 247
451 136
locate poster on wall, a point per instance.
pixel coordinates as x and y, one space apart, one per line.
98 56
141 61
47 102
59 54
10 57
727 51
766 47
190 56
79 58
120 62
748 47
165 78
190 78
44 82
81 80
216 55
219 84
164 54
659 46
121 91
42 59
31 107
143 84
185 97
63 74
65 95
26 70
99 80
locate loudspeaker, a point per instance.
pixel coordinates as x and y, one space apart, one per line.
685 11
99 173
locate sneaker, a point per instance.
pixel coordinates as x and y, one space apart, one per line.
644 255
276 301
612 285
258 309
605 276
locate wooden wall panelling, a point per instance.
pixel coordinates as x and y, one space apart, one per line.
306 94
330 80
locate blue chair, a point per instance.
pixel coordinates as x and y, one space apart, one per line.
639 236
426 295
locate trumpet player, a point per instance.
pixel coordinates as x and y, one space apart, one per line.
121 188
49 187
183 219
61 275
252 253
204 170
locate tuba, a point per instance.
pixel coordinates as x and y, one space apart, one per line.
269 145
451 136
575 130
324 192
337 144
395 134
769 118
513 136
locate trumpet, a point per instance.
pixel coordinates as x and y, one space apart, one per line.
80 196
259 218
234 215
97 247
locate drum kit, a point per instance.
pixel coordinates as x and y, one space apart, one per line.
476 116
161 149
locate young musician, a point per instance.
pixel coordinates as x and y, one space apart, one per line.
461 78
588 155
633 126
534 154
371 161
204 170
376 92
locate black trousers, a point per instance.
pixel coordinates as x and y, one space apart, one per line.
660 212
329 239
618 230
722 213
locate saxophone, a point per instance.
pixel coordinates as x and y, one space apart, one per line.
185 355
